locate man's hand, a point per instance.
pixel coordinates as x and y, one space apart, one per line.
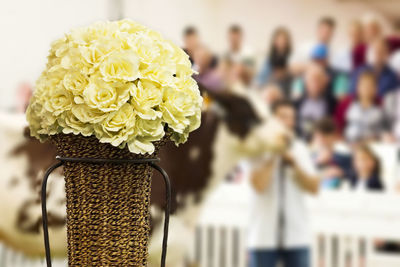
288 158
388 137
306 181
332 171
324 157
261 177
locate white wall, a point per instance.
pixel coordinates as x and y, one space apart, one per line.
258 17
28 26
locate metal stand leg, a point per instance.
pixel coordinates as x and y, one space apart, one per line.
44 212
167 211
151 162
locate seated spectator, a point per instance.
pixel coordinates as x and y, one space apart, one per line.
372 28
224 71
271 94
319 55
276 68
378 63
373 31
337 81
241 77
334 165
391 108
358 45
316 102
364 116
207 74
325 31
237 51
192 42
366 170
341 112
24 93
394 38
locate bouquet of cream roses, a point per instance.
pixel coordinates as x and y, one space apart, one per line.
120 82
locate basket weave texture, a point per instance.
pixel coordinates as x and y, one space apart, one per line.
107 204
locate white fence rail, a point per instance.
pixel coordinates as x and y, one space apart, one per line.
219 246
10 258
345 226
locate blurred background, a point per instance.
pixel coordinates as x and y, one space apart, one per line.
335 64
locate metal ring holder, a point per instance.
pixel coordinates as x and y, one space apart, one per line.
152 162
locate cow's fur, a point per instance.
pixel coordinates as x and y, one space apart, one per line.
23 161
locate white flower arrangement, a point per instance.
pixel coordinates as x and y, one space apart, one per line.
119 81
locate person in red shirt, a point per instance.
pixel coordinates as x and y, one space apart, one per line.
358 45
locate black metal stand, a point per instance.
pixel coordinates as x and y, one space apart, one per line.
152 162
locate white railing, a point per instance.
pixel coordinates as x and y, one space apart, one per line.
345 227
220 238
10 258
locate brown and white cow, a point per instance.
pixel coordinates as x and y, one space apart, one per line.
232 127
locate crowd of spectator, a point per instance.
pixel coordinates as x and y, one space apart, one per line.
348 98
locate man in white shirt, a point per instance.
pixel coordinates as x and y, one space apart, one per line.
278 231
237 51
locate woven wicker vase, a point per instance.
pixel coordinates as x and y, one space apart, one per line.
107 204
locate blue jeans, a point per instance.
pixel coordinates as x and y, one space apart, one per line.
298 257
